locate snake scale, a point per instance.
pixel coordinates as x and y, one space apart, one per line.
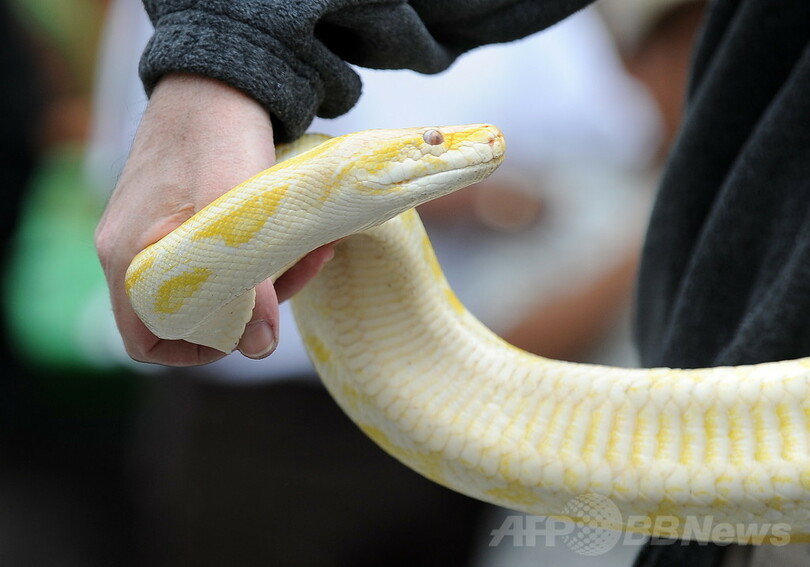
443 394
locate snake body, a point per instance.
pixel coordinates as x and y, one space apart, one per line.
443 394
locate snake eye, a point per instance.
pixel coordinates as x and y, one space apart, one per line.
433 137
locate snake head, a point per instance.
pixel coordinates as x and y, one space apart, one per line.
414 165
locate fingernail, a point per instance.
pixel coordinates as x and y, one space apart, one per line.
258 340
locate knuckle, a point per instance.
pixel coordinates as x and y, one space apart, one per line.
103 241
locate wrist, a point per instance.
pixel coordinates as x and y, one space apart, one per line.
186 94
199 110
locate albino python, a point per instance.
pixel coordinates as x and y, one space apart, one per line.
436 389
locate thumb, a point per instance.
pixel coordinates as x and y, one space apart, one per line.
261 333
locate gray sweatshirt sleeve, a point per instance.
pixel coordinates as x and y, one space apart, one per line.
292 55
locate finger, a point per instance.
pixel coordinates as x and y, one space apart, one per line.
143 346
307 268
182 353
260 337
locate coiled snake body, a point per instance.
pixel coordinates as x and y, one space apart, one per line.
437 390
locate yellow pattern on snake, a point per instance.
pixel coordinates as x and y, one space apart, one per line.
440 392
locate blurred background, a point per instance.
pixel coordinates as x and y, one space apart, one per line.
104 461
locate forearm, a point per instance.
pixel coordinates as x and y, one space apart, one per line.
292 57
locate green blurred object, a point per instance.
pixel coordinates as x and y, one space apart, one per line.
56 296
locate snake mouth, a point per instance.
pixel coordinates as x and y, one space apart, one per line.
478 172
488 154
433 184
440 183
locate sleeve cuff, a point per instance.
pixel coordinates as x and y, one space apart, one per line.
292 91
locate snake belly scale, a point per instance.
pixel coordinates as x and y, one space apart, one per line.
443 394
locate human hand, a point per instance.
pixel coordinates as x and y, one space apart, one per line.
198 138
